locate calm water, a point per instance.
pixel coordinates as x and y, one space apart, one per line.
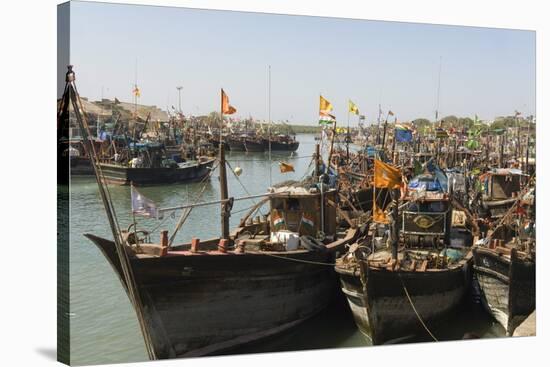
104 328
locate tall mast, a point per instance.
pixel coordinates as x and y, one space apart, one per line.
269 120
438 90
223 181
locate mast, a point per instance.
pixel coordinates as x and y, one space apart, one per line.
378 132
393 144
347 140
269 120
438 90
71 96
223 182
384 136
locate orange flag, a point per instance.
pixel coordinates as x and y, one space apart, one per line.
378 215
286 167
386 175
227 109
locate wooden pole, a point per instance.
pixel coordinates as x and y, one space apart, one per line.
316 171
347 140
126 268
501 155
331 144
384 136
395 227
223 184
526 169
393 148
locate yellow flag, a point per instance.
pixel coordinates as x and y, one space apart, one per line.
286 167
386 175
353 108
136 91
324 105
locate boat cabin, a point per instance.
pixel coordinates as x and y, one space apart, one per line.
426 220
302 211
501 184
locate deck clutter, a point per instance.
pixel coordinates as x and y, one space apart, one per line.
402 219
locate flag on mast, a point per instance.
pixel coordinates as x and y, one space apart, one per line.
136 91
325 118
286 167
386 175
227 109
142 205
353 108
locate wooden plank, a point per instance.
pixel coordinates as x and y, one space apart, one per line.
424 266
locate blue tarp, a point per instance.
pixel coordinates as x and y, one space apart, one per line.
425 182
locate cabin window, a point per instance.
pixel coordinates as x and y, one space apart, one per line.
293 204
504 186
428 206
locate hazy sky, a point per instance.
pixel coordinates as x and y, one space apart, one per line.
488 72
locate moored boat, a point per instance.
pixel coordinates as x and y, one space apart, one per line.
505 266
283 142
271 274
191 171
404 289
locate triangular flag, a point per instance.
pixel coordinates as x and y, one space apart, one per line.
353 108
324 105
227 109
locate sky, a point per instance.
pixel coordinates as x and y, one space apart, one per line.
485 72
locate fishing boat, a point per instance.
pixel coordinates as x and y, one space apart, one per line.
505 266
283 142
150 165
207 297
404 277
499 190
253 144
270 274
236 143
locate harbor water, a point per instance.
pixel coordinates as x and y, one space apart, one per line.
104 328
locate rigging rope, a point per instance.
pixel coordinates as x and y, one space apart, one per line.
414 308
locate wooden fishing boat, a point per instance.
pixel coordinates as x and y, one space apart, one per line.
403 291
283 143
500 188
151 165
271 274
236 144
253 144
507 279
505 268
191 171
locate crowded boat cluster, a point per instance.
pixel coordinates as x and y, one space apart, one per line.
405 220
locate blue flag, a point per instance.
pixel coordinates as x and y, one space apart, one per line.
403 135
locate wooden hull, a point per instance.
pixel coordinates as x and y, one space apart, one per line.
81 166
497 208
254 146
121 175
236 145
200 304
507 285
278 146
381 309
